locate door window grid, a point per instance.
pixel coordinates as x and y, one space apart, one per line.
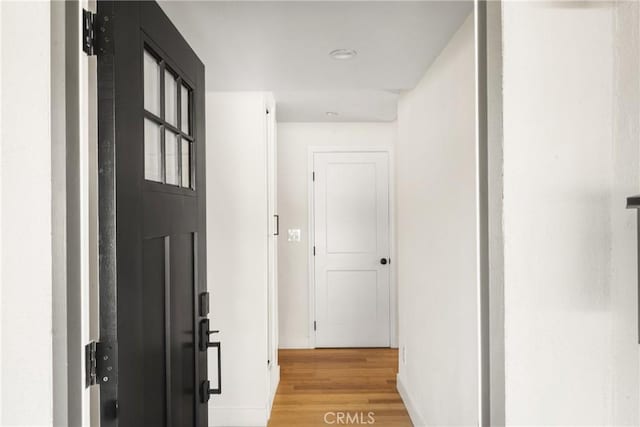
175 160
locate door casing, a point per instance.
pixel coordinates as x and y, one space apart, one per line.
393 294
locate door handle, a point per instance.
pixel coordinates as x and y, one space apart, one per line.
277 217
205 332
205 388
206 344
383 261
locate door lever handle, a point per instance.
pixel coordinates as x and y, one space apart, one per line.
205 342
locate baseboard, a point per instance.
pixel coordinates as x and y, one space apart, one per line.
237 417
274 381
294 346
416 419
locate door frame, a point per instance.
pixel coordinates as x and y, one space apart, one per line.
311 281
74 214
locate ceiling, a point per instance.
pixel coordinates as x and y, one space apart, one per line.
284 47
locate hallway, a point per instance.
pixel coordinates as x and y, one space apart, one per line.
321 383
231 211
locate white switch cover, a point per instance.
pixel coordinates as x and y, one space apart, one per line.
294 235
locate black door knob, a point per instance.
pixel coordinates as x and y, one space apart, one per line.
383 261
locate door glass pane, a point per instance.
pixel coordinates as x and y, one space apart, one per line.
184 110
170 99
152 151
151 84
186 164
171 157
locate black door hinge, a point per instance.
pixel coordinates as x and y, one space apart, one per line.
88 33
313 176
100 364
314 251
314 325
97 35
90 363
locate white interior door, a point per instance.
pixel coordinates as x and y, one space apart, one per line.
351 238
273 233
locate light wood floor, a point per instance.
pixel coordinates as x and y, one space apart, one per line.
351 381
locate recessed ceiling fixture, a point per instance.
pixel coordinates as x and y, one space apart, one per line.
342 54
331 113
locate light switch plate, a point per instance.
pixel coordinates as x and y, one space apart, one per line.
294 235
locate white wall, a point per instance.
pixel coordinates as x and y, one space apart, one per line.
237 254
626 180
436 239
570 158
294 140
25 208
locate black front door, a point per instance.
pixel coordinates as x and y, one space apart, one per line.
152 220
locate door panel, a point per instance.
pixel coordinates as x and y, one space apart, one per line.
154 289
152 219
351 231
181 327
351 208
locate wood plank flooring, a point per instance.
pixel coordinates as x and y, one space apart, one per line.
324 383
